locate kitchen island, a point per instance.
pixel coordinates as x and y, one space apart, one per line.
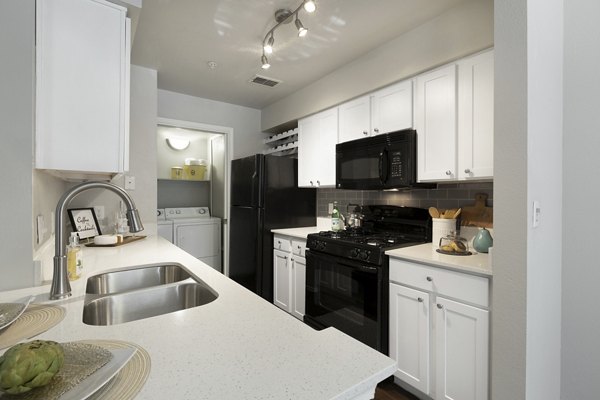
237 347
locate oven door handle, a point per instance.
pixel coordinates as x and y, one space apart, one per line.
367 269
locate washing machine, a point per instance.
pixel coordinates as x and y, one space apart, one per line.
196 232
165 226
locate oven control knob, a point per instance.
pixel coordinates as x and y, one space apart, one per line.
354 253
364 255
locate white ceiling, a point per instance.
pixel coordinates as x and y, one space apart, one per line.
179 37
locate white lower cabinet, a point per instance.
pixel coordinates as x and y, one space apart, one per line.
289 275
439 331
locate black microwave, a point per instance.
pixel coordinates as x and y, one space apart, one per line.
387 161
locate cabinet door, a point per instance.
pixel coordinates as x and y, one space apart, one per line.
392 108
298 287
436 125
409 335
476 117
462 334
82 81
281 278
317 137
355 119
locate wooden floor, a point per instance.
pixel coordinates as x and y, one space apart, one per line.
390 391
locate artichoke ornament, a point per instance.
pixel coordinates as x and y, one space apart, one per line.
26 366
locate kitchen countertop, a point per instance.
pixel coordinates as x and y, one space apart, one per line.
478 263
237 347
323 224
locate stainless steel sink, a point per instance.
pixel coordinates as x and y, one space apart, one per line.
137 277
139 304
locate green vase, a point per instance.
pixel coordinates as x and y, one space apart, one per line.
483 241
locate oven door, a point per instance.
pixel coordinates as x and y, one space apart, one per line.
348 295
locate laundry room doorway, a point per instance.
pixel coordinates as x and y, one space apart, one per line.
193 175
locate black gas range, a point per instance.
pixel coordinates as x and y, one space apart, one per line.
347 272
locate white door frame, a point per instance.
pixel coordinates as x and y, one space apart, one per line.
228 133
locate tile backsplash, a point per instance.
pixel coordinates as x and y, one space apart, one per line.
449 195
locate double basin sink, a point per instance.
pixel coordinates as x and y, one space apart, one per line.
139 292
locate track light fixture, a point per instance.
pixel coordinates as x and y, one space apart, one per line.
284 16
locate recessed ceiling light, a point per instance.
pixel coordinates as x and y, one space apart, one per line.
212 64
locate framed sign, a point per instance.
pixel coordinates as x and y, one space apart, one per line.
84 222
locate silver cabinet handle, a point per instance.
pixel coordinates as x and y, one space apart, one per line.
285 257
440 306
365 133
467 171
448 172
318 183
420 299
376 130
429 279
311 183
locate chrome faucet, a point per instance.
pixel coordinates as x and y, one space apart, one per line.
61 288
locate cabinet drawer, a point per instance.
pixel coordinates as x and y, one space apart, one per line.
465 287
282 243
298 247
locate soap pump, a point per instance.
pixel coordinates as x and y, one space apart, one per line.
74 258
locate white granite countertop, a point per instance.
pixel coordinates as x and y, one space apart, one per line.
323 224
478 263
237 347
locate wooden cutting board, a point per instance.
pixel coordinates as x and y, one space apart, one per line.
479 214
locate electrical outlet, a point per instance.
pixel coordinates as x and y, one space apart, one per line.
99 211
130 182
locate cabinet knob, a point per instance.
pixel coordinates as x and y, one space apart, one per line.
292 259
467 171
299 247
318 183
420 299
448 172
311 183
376 130
429 279
285 257
365 133
440 306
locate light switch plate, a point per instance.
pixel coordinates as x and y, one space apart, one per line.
536 214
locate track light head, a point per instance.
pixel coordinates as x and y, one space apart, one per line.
302 31
265 62
268 46
309 6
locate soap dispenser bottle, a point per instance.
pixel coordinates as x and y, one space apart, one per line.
74 258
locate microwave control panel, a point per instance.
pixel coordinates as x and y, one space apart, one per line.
396 164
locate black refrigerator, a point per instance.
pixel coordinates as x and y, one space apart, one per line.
264 196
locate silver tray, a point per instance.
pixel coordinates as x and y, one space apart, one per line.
9 312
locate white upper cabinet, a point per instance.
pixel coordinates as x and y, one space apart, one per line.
82 88
317 137
392 108
436 125
387 110
355 119
476 117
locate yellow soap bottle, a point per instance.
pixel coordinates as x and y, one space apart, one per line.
74 258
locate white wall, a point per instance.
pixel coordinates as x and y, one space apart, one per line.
526 317
460 31
247 135
17 40
581 167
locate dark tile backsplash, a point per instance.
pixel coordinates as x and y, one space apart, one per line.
450 195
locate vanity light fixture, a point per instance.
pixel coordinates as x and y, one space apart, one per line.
178 143
284 16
